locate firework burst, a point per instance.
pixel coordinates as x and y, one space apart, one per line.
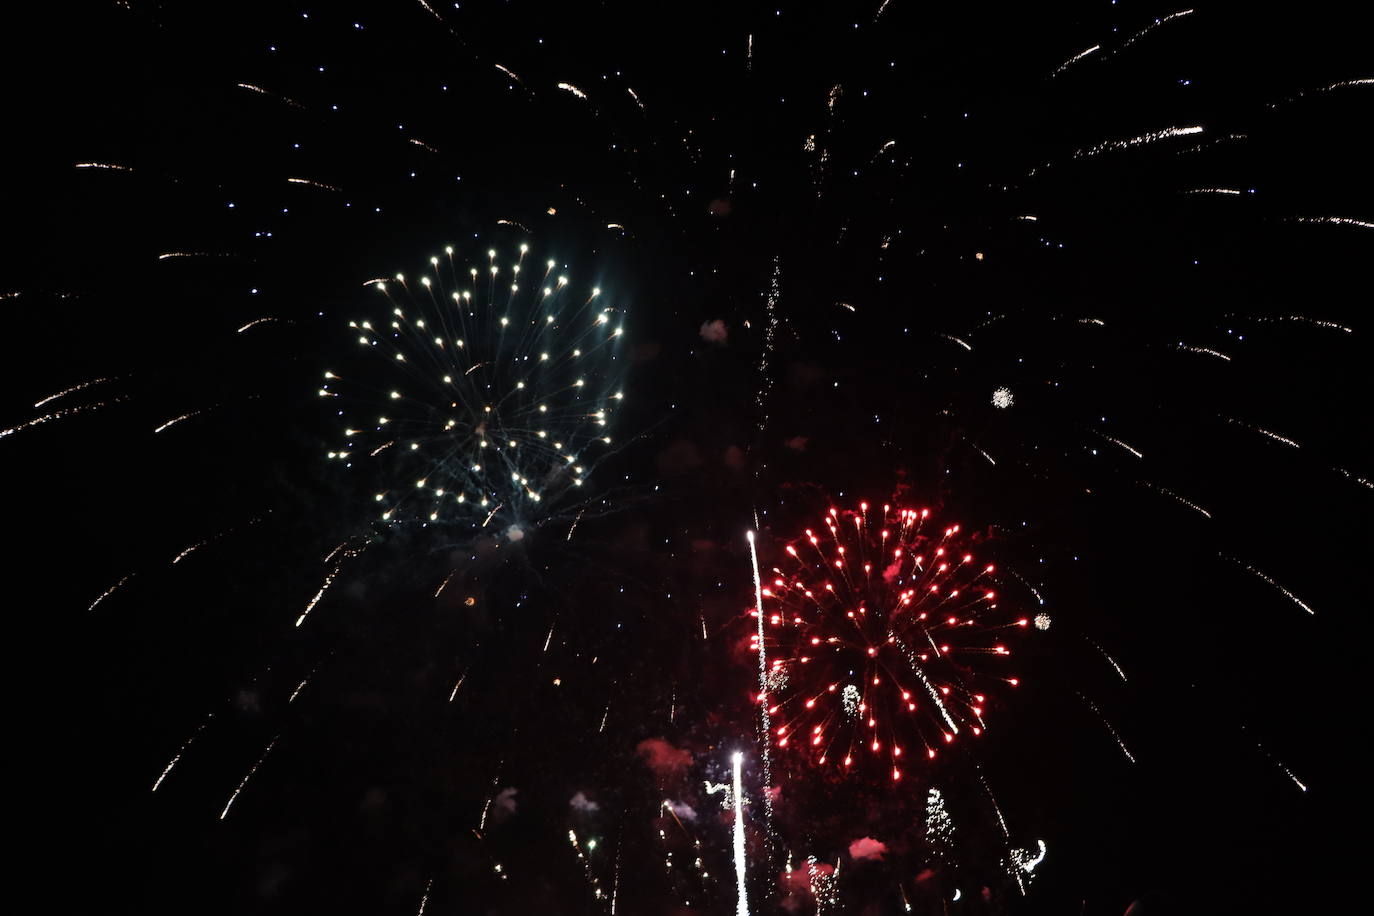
486 394
890 635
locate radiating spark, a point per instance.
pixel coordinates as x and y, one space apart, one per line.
193 254
1111 661
1122 744
1115 441
424 898
1206 351
281 98
454 695
310 182
443 585
1154 25
961 343
301 686
1075 59
1280 764
176 420
1262 431
180 751
109 591
569 87
1153 136
741 898
424 146
1336 220
254 323
57 415
1174 496
66 391
103 165
249 775
1229 191
1289 595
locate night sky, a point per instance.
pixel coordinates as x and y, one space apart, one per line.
830 234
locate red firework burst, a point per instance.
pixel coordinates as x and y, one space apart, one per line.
880 638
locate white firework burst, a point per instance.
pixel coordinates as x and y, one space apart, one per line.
485 392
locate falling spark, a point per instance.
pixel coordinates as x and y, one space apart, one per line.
108 592
66 391
308 182
1122 744
1279 763
956 340
1115 441
569 87
1152 137
452 696
1229 191
741 900
271 744
1204 350
324 587
1174 496
425 898
1262 431
1075 59
182 750
57 415
1336 220
424 146
1154 25
254 323
1292 597
176 420
301 686
1110 660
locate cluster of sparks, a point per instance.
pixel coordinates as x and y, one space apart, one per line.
494 392
885 625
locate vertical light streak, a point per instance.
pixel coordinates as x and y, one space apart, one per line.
742 900
763 683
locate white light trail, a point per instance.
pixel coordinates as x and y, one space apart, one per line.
271 744
741 900
1291 597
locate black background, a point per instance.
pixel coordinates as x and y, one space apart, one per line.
376 782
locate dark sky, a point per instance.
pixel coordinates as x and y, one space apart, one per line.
1198 298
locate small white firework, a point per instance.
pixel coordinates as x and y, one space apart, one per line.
1042 621
484 393
850 698
1002 398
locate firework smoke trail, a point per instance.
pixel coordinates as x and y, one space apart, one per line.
1121 744
182 750
763 686
741 900
249 775
1292 597
66 391
108 592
